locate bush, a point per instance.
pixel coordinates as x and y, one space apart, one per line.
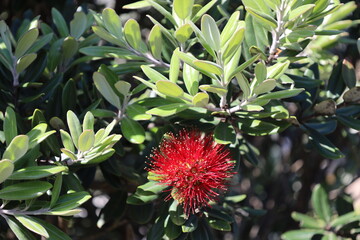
218 120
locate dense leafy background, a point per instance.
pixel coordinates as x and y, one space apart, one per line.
278 173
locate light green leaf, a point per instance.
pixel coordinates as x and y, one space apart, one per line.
174 68
307 221
132 131
26 41
123 87
230 28
133 34
6 169
168 110
267 21
266 86
233 44
69 48
54 232
183 33
155 41
214 89
36 172
303 234
203 10
69 153
19 230
209 67
282 94
24 62
67 141
191 79
86 140
112 23
201 99
297 12
137 5
105 89
278 69
183 8
243 84
169 89
24 190
88 122
320 203
33 226
260 72
152 74
211 32
78 25
102 33
74 126
71 201
17 148
137 112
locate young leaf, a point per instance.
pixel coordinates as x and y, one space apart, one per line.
74 126
133 34
183 8
211 32
183 33
112 23
169 89
88 123
201 99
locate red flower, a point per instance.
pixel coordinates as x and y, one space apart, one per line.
194 166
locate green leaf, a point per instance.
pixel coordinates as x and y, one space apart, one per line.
163 11
26 41
224 133
136 199
191 79
245 65
123 87
102 33
78 25
218 224
267 21
278 69
297 12
260 72
169 89
24 62
10 128
266 86
54 232
71 201
190 225
74 126
176 213
112 22
236 199
36 172
323 145
155 41
282 94
132 131
307 221
214 89
233 44
150 188
200 99
349 121
88 123
17 148
230 27
69 48
140 214
172 231
60 23
203 10
174 68
86 140
303 234
348 74
32 225
55 192
133 34
24 190
183 8
6 169
67 141
137 5
345 219
137 112
106 90
183 33
209 67
320 203
152 74
168 110
19 230
211 32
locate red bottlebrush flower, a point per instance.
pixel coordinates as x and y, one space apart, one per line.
194 166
